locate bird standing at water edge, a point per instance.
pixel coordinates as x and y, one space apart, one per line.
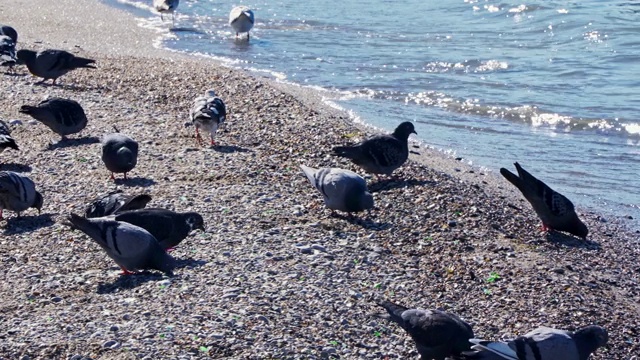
554 209
166 6
241 20
51 64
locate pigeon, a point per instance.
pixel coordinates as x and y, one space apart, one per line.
63 116
555 210
18 193
208 113
130 246
51 64
115 202
7 52
119 153
542 343
241 20
380 154
6 141
166 6
7 30
437 334
342 190
168 227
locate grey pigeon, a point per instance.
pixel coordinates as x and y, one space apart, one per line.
168 227
380 154
342 189
437 334
166 6
542 343
7 51
6 141
555 210
241 19
10 32
115 202
51 64
63 116
130 246
18 193
119 153
208 113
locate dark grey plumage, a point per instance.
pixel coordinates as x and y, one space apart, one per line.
130 246
10 32
380 154
18 193
342 189
6 141
63 116
542 343
168 227
207 113
8 55
51 64
119 153
554 209
115 202
437 334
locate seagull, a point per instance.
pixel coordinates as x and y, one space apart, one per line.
168 227
342 189
115 202
6 141
437 334
119 153
166 6
18 193
131 247
51 64
241 20
380 154
554 209
543 343
208 113
63 116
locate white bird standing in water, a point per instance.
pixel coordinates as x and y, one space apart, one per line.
166 6
241 20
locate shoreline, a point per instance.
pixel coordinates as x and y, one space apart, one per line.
274 275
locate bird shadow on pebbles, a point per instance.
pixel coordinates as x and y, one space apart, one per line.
565 240
228 149
15 167
73 142
365 223
125 282
189 263
24 224
135 181
390 184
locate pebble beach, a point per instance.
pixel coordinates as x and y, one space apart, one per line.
274 276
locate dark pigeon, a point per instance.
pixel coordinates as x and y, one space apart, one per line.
556 211
207 113
7 30
542 343
6 141
63 116
115 202
130 246
7 52
168 227
119 153
437 334
18 193
342 190
380 154
51 64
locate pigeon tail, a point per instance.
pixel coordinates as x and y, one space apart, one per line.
309 172
345 151
512 178
80 62
85 226
395 311
7 142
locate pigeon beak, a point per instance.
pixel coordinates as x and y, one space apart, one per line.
201 227
414 132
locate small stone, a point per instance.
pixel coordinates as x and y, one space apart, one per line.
15 122
318 247
111 344
305 249
452 223
114 328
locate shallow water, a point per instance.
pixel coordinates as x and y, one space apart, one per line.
551 84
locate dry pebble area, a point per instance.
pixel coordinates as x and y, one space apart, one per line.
274 275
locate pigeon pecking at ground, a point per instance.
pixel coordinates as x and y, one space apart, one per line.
18 193
542 343
554 209
437 334
168 227
7 52
63 116
119 153
343 190
208 113
241 20
6 141
165 7
51 64
380 154
115 202
131 247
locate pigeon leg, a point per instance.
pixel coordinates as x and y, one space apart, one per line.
170 249
0 214
247 36
213 143
161 17
545 228
113 177
125 271
125 176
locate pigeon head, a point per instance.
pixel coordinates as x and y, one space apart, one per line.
194 221
164 262
404 130
210 93
580 229
37 202
356 202
589 339
25 56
